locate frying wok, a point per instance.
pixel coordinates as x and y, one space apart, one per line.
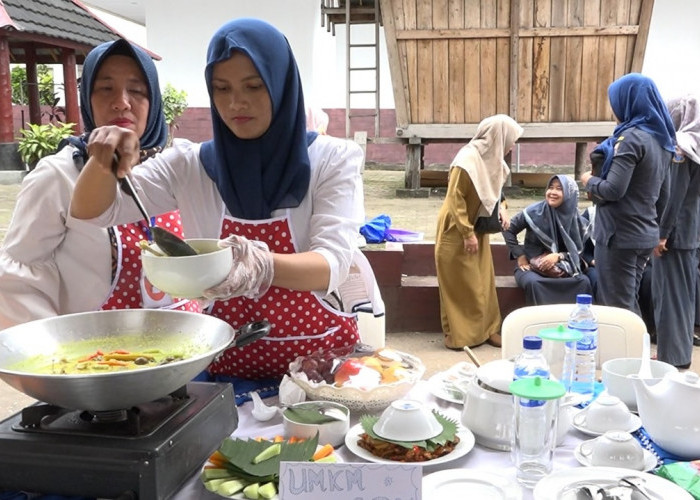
116 389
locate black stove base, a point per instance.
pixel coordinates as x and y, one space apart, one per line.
151 467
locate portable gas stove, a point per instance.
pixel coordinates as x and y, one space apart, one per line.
145 452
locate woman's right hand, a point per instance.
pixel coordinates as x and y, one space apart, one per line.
105 141
471 244
523 263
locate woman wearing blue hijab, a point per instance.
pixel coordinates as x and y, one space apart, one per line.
631 189
289 203
51 264
553 227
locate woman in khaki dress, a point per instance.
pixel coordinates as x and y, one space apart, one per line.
468 302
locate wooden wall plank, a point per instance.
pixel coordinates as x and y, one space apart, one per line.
641 40
457 64
472 66
503 59
488 62
441 64
392 13
542 17
409 14
424 58
525 64
606 62
621 42
574 54
589 63
557 65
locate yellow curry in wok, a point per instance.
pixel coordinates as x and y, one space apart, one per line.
109 354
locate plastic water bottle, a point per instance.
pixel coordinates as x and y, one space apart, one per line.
531 363
583 320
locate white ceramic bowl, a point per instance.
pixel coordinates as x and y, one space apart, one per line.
407 420
616 380
614 449
188 277
607 413
328 432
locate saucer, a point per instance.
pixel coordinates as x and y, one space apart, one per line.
579 423
650 460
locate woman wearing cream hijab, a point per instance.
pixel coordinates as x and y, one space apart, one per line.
468 303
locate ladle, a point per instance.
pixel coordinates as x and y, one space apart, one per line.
171 244
645 366
250 332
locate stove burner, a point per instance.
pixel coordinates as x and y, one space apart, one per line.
133 422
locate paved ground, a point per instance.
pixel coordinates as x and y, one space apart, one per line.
416 214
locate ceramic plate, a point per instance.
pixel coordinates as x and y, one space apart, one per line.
441 388
650 461
561 484
453 483
466 443
579 423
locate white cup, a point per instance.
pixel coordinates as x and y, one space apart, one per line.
606 413
614 449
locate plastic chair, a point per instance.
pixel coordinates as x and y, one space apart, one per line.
620 332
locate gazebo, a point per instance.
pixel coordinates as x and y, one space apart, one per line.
36 32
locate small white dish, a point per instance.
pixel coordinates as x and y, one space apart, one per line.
445 385
453 483
579 423
650 460
407 420
465 445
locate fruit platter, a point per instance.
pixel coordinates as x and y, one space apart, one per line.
362 381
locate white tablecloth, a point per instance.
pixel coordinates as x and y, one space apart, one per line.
479 458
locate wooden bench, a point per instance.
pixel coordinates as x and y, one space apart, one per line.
408 283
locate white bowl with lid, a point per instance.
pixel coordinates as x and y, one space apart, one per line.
407 420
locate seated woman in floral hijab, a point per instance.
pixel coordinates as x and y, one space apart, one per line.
555 234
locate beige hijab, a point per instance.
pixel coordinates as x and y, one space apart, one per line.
685 113
482 158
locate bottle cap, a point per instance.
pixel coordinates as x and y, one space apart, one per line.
560 333
532 342
584 298
537 388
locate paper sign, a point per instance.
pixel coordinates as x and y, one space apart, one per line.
350 481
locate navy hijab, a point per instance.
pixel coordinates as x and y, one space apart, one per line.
561 223
156 133
636 102
257 176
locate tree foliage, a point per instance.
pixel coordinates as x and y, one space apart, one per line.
20 86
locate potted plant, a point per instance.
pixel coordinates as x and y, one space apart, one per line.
38 141
174 104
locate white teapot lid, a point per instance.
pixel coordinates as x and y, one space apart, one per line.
497 374
688 378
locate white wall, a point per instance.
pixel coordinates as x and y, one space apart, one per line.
672 57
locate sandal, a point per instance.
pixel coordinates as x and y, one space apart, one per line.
696 340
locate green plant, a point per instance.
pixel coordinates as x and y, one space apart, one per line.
174 104
45 83
37 141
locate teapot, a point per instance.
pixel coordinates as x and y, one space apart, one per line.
488 406
669 410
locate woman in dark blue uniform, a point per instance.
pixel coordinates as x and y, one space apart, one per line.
631 188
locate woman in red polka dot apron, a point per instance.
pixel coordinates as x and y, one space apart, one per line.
288 202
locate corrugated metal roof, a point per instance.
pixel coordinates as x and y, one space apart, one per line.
61 19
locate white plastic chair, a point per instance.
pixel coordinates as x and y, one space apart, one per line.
620 332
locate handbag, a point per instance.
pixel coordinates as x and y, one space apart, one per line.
489 224
553 272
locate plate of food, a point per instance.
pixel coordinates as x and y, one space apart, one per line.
249 468
445 385
453 442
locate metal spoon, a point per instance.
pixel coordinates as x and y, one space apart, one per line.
171 244
250 332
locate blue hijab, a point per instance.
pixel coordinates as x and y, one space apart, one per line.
257 176
636 102
156 133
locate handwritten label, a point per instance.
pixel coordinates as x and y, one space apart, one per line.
350 481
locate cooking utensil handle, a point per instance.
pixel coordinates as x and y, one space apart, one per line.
128 187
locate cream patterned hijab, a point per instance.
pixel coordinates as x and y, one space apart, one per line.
482 158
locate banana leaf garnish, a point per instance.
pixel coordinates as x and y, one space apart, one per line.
309 415
241 452
449 431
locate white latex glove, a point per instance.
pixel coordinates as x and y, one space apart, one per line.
252 271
